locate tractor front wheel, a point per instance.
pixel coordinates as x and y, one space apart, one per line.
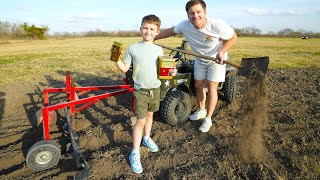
176 107
43 155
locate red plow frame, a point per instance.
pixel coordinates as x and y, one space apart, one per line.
46 153
73 94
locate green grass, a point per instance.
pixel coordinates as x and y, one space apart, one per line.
283 52
32 61
13 59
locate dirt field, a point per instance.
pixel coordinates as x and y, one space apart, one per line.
280 142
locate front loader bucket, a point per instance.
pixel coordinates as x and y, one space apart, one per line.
249 65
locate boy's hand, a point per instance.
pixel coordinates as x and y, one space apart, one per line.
173 72
116 51
115 55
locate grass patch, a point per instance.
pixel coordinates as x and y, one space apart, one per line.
316 53
24 61
4 42
283 52
15 58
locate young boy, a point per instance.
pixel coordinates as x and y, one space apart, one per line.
144 57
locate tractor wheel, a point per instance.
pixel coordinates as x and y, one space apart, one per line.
43 155
37 118
176 107
229 88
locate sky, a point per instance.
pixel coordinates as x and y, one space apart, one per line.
114 15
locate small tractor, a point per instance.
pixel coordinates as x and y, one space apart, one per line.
175 95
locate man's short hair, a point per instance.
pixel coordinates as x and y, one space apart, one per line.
152 19
195 2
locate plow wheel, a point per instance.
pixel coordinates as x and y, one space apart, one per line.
43 155
38 118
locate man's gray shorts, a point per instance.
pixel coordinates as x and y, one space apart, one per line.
209 70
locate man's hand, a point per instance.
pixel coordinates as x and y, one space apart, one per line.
219 58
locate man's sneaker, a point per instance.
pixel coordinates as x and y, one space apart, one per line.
206 124
135 162
199 114
150 144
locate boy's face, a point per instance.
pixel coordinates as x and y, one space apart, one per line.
148 31
197 16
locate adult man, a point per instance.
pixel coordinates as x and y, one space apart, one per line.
211 37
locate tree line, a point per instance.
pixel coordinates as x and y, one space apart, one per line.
286 32
11 31
22 31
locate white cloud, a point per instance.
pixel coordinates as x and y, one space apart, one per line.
34 21
81 18
257 11
284 12
22 9
300 1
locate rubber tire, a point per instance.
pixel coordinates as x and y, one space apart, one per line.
176 107
40 148
229 88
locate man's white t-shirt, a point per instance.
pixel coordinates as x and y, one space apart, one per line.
208 40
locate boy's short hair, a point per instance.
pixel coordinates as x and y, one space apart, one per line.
152 19
195 2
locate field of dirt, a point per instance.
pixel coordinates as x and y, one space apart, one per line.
270 131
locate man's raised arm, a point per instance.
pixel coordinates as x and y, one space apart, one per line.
165 33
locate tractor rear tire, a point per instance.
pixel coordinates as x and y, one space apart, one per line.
229 88
43 155
176 107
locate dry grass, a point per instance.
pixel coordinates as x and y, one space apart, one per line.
34 61
283 52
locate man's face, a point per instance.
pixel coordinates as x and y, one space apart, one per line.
149 31
197 16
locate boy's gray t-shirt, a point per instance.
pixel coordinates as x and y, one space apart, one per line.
144 58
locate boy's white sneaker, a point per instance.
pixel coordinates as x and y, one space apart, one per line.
199 114
135 163
206 125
